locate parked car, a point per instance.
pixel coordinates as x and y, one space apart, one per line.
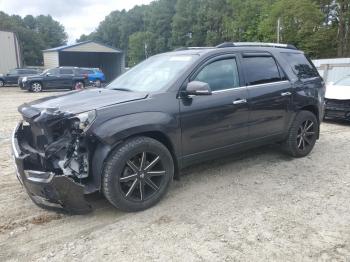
130 139
95 76
338 99
55 78
11 78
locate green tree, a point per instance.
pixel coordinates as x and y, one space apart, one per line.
34 35
301 21
50 31
141 46
184 24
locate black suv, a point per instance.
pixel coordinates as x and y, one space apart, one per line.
72 78
11 78
130 139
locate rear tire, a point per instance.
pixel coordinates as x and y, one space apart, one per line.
36 87
302 135
98 83
79 85
137 174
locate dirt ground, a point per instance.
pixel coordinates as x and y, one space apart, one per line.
257 206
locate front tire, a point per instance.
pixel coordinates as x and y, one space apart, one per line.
36 87
2 83
137 174
302 135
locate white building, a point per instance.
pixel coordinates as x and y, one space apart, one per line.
10 54
333 69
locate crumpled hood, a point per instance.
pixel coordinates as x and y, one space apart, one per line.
81 101
338 92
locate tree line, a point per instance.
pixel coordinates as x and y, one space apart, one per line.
319 27
34 34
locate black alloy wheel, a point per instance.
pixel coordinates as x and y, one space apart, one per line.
302 135
137 174
142 176
306 135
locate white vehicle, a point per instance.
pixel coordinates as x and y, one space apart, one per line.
338 99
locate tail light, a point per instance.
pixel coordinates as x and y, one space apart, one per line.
85 75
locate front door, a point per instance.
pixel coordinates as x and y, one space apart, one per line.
52 79
219 120
269 95
12 77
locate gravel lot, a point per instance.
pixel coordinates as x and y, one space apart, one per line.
257 206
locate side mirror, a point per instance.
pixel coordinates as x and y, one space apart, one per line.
198 88
48 74
8 74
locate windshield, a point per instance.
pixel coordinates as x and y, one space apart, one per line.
343 82
154 73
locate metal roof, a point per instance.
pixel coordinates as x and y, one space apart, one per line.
62 48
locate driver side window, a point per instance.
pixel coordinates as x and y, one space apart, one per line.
53 72
220 75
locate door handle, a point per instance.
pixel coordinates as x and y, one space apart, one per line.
239 101
286 94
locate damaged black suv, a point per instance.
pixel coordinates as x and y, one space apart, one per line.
130 139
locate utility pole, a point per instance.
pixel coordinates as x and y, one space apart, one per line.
278 29
146 53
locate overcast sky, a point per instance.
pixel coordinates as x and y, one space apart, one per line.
77 16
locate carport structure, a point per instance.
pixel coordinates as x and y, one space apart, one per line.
87 54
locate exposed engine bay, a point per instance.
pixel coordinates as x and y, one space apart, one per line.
53 153
60 146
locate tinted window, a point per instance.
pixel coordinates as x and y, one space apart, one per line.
301 65
66 71
261 70
13 72
220 75
53 71
24 72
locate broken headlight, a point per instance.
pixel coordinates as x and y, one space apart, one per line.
85 120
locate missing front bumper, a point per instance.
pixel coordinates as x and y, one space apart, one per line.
46 189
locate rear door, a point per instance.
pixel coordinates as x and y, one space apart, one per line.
66 77
219 120
269 95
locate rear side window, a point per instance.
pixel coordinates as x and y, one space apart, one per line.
66 71
261 70
302 66
222 74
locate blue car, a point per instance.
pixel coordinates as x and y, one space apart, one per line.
95 76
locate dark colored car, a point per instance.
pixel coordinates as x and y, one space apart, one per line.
56 78
11 78
130 139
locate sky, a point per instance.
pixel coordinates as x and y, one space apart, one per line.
77 16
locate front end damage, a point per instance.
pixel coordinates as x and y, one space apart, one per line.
52 155
337 109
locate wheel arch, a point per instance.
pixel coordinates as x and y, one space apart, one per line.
312 108
37 81
103 151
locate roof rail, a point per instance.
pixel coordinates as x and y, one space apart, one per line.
239 44
192 48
